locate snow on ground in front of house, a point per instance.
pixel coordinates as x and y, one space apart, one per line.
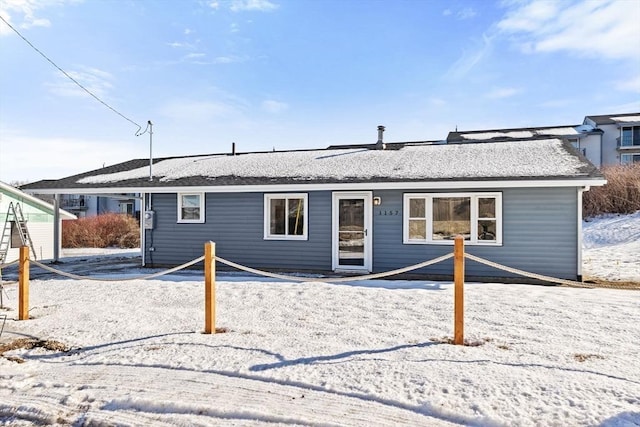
79 252
612 247
367 353
364 354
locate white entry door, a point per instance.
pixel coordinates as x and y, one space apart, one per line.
352 231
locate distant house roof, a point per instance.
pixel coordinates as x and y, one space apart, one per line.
547 159
610 119
18 194
547 132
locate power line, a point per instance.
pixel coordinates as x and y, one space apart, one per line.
71 78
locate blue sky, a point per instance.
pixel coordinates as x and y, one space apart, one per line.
294 74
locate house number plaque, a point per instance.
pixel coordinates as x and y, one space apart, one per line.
389 212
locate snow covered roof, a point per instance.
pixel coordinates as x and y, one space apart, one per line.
520 133
528 159
635 118
609 119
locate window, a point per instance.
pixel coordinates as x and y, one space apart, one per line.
285 216
126 208
438 217
191 207
16 238
630 136
627 159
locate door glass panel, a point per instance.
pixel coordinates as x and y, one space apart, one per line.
351 232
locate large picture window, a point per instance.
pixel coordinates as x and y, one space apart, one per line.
285 216
438 217
190 207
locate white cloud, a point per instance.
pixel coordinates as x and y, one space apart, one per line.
195 55
252 5
466 13
214 4
471 57
622 108
274 107
25 13
589 28
504 92
94 80
229 59
632 84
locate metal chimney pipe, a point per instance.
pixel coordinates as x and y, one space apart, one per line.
379 144
233 148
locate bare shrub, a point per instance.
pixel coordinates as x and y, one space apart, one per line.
102 231
620 195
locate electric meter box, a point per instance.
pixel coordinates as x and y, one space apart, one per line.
149 220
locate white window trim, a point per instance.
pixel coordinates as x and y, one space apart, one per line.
191 221
267 216
429 214
629 158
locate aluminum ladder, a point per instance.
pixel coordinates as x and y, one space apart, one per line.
14 215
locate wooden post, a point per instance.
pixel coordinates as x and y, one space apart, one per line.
23 284
209 288
458 279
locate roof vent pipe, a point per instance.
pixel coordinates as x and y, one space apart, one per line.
379 144
233 148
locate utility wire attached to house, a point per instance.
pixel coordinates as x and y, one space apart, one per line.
71 78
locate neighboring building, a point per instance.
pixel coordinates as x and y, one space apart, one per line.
605 140
358 209
84 205
39 219
620 137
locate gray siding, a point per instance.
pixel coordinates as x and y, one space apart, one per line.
234 221
539 234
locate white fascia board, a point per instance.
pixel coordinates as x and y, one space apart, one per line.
405 185
17 193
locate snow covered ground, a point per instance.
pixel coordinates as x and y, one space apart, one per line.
371 353
612 247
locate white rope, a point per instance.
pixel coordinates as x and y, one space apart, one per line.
542 277
8 264
102 279
335 279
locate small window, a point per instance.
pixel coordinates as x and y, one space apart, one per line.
191 207
285 216
438 218
16 238
627 159
126 208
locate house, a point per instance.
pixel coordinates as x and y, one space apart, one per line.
86 205
358 209
620 137
39 217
